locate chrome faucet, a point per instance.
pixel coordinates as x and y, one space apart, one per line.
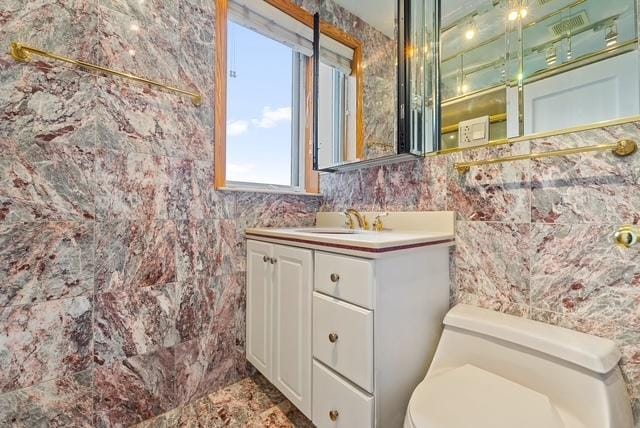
362 219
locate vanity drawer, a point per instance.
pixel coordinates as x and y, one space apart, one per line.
343 339
347 278
335 398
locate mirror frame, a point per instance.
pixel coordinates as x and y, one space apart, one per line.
403 150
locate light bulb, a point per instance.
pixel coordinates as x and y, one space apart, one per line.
513 15
524 12
470 33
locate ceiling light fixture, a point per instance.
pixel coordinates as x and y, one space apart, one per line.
518 10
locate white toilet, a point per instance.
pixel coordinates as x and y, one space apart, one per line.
492 370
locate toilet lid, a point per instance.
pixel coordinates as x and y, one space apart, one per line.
467 397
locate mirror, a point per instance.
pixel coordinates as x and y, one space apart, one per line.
357 87
511 68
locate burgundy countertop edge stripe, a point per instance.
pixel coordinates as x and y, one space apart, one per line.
353 247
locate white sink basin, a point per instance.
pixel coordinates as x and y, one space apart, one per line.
329 230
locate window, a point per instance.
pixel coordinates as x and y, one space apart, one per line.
263 95
264 89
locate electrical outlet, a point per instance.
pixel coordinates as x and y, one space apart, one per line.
473 132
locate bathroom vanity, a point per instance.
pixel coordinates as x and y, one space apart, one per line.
344 323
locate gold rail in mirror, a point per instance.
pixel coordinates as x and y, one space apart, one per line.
23 53
622 148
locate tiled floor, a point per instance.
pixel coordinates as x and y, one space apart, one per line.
252 402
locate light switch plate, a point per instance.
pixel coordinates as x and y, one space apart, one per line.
473 132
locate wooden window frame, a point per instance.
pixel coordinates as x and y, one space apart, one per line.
311 177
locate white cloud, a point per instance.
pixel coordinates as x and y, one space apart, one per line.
270 118
237 127
239 168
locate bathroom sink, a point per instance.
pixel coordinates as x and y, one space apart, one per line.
329 230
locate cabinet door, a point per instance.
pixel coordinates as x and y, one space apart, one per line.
292 325
259 306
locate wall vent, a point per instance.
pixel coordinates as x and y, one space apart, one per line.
569 24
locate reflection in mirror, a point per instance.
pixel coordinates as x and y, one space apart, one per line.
423 119
357 89
340 137
516 67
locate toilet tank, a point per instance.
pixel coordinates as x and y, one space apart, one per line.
578 372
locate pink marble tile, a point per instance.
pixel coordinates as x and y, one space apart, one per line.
132 254
204 365
299 211
492 262
402 185
191 194
578 269
135 389
196 299
586 188
195 250
132 117
67 28
44 341
490 302
260 209
433 184
497 192
226 248
141 39
361 189
45 261
44 102
135 323
131 186
62 402
46 182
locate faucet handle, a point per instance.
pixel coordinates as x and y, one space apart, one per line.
377 223
348 221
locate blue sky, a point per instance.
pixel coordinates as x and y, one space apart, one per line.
258 108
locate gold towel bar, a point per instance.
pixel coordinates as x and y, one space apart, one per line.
621 148
22 53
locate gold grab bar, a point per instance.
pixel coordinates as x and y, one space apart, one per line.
622 148
22 53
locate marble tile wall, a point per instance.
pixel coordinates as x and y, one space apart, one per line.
121 270
534 238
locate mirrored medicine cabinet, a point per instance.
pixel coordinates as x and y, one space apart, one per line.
447 75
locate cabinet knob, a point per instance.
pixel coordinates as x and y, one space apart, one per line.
265 259
335 277
333 337
273 260
333 415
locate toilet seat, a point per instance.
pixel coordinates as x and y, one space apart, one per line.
468 396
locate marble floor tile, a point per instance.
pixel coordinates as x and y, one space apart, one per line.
251 402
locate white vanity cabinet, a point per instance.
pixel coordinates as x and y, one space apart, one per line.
279 287
346 338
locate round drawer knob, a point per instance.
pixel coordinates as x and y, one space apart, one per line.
333 415
265 259
333 337
335 277
273 261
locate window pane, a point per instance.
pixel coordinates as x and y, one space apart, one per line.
259 104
